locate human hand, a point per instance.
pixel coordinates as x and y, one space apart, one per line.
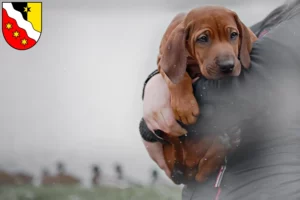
155 151
158 113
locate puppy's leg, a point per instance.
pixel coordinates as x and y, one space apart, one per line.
183 101
213 159
174 156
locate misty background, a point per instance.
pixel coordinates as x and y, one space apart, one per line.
76 96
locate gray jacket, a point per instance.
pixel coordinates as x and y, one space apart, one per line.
264 104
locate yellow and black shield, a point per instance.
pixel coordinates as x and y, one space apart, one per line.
22 23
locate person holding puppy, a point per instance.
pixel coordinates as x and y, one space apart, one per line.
263 103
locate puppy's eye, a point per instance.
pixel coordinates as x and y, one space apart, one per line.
233 35
202 39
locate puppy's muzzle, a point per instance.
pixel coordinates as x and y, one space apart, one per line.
225 64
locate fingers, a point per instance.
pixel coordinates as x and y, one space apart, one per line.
166 122
169 119
151 124
161 123
158 113
163 165
155 151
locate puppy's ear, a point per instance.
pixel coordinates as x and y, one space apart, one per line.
247 37
173 60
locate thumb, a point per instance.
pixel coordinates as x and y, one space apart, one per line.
160 160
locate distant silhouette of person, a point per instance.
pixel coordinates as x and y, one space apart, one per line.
154 176
122 180
45 173
96 175
119 171
60 168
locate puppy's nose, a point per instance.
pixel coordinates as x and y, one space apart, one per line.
226 65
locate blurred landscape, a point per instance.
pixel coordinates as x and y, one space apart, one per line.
75 98
75 193
63 186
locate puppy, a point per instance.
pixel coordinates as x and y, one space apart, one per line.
212 42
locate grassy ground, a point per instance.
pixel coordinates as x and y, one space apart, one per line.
76 193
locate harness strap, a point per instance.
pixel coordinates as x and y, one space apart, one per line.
219 179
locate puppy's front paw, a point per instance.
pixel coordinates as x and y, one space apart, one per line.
185 108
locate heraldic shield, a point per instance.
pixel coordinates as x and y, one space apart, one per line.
22 23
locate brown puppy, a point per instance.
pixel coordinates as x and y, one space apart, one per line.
212 42
212 38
